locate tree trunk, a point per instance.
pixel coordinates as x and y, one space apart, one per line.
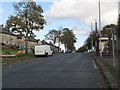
59 44
110 46
26 45
97 47
54 46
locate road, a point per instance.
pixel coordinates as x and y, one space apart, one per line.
72 70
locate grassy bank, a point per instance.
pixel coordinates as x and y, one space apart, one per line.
8 51
21 57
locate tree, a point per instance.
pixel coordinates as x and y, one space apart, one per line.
82 49
107 31
88 43
118 27
68 39
118 31
28 18
60 31
52 35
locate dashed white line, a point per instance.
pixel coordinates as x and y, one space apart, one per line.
94 64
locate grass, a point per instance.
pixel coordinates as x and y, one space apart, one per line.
21 57
8 51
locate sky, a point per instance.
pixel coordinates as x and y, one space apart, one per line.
74 14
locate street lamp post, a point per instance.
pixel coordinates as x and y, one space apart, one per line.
100 28
113 47
113 44
91 36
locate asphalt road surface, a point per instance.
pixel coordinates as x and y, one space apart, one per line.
72 70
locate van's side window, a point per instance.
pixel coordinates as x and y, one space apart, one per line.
51 48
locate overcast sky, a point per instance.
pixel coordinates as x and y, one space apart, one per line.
74 14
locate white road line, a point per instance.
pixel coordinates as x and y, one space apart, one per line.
94 64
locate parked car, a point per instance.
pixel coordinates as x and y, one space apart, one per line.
43 50
68 51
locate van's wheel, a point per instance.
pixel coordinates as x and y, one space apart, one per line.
36 56
46 54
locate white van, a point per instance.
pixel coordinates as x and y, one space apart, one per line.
43 50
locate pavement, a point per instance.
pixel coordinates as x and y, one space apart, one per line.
70 70
106 65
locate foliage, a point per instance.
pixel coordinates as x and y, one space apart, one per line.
28 18
82 49
52 35
108 30
68 39
19 58
88 43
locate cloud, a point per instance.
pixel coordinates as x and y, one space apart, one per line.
79 31
84 10
110 17
1 12
49 21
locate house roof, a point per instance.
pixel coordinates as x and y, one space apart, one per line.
46 43
3 30
33 39
19 36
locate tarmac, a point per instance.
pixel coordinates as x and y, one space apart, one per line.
110 71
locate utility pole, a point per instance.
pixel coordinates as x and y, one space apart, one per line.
91 36
100 29
97 41
113 46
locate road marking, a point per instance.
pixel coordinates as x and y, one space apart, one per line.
94 64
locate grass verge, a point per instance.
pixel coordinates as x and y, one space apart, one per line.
8 51
21 57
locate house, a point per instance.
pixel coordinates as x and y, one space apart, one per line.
9 38
31 41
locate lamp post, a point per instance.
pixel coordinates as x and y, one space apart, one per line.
113 45
100 28
91 36
112 29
